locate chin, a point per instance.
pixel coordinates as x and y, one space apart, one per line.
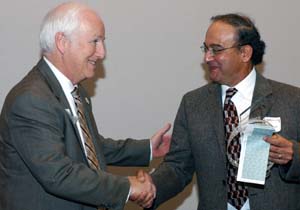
90 73
213 77
90 76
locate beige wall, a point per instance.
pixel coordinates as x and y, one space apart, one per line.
153 58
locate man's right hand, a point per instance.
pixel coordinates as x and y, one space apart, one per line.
142 188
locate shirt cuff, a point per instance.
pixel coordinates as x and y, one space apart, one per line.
128 195
150 151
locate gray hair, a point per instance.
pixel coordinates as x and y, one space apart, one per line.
59 20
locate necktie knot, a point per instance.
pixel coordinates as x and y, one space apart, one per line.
75 93
230 92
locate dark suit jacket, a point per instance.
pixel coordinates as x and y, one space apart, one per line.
198 145
42 161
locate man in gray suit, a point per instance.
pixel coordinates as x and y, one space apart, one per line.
51 154
232 48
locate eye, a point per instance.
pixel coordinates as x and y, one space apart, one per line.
97 40
217 49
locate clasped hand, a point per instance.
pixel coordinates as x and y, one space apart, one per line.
281 149
142 189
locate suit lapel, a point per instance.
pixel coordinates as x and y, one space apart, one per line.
58 92
215 103
53 83
262 100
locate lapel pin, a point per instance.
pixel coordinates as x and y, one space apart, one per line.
74 119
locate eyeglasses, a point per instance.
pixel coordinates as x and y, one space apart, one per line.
216 49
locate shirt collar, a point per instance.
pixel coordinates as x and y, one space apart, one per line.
64 82
244 87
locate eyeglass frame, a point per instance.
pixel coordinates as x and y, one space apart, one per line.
215 52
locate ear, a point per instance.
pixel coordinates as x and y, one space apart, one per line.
246 53
60 42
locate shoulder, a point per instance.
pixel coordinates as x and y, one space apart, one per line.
277 90
32 89
264 84
283 88
202 93
283 95
283 92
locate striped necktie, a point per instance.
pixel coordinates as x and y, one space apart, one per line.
89 146
237 192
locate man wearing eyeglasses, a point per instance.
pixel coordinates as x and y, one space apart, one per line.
232 49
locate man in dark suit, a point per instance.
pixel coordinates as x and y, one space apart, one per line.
232 48
51 154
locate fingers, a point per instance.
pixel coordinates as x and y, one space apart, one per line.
165 129
279 158
160 142
162 131
146 200
166 139
163 148
142 189
141 176
277 140
281 149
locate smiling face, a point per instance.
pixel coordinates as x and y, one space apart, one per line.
229 66
84 48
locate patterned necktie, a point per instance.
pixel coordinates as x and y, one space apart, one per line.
89 146
237 192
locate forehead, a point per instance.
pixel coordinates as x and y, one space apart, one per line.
220 33
92 24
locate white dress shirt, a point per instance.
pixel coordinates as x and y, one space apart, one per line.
242 100
67 87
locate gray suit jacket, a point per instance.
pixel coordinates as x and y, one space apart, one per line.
198 145
42 161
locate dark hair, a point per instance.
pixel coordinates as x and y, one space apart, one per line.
247 34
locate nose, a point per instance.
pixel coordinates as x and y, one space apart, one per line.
100 50
208 56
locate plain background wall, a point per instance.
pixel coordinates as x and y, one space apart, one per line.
153 58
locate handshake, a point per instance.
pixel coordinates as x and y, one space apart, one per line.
142 189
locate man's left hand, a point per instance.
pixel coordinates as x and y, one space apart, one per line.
161 141
281 149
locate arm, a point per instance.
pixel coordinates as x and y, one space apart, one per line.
39 131
130 152
285 153
285 147
177 169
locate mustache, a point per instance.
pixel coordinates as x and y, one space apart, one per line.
212 64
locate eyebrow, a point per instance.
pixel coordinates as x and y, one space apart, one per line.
101 37
213 45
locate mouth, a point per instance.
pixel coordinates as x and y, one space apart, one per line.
92 62
212 66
